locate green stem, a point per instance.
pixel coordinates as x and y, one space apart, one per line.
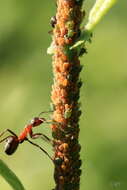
100 8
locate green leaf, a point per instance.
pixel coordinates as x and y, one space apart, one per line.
80 43
77 44
100 8
10 177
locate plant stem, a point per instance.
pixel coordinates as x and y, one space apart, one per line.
65 95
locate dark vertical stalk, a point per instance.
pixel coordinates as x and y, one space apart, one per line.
65 95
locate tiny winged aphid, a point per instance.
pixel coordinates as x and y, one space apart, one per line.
12 141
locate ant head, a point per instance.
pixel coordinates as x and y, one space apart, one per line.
11 144
37 121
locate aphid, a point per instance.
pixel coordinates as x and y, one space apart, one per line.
13 141
82 51
53 21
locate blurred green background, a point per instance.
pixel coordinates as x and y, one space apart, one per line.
25 85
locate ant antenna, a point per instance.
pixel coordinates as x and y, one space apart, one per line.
44 112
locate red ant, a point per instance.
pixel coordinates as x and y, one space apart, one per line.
13 140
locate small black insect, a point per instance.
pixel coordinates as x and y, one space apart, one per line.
53 21
82 51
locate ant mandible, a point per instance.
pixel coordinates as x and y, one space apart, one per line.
12 141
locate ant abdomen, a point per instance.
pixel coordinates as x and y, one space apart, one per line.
11 145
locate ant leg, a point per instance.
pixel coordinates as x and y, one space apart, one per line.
4 139
41 135
40 148
8 130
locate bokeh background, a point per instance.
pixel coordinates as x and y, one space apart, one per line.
25 84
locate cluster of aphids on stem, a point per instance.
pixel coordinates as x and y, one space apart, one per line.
53 22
